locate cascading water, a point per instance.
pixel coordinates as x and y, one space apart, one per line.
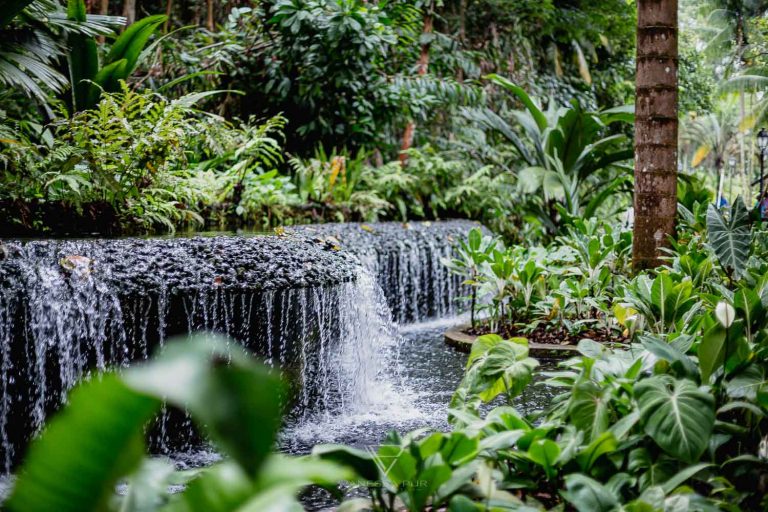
68 308
407 262
319 314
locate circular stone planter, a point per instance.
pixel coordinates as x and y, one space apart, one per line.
461 341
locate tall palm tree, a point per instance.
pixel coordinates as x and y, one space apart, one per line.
655 130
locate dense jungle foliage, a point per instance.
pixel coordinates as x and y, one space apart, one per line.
516 113
225 114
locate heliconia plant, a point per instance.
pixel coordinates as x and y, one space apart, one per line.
88 77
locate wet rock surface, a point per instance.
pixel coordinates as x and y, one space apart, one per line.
137 265
360 238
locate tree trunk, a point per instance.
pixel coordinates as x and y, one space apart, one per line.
410 128
168 11
129 11
104 7
210 24
462 35
655 130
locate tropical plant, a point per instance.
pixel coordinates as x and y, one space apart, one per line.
88 78
156 164
104 424
666 303
568 285
33 39
468 263
328 49
495 366
635 429
569 155
337 182
730 239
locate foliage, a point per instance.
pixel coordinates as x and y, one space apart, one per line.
156 162
730 239
567 285
104 421
32 42
337 182
495 367
651 426
674 420
88 79
570 160
471 255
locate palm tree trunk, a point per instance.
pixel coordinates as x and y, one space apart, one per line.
656 128
129 11
210 21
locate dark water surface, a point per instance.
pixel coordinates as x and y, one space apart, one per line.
417 397
414 390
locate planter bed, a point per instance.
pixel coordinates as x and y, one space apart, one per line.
461 339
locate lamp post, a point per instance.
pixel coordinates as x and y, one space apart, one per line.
762 145
732 166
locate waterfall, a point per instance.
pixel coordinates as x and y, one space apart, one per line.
418 286
406 260
64 313
320 315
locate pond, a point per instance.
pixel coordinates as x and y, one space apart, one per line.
414 393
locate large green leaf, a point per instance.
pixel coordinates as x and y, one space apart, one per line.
511 369
360 461
730 238
712 350
545 452
589 410
491 120
77 461
587 495
603 444
746 383
680 362
748 302
131 42
457 449
83 58
107 79
519 92
482 345
236 400
677 415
